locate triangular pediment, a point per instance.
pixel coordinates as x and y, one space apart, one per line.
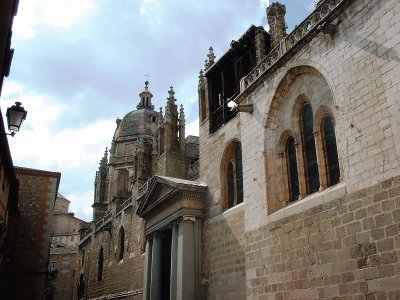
159 190
166 191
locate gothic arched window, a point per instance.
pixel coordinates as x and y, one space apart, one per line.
121 243
309 152
330 151
233 175
292 173
100 265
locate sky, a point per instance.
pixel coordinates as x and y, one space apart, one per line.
80 65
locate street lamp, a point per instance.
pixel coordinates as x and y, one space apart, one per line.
16 114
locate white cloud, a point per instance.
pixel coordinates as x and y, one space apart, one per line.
61 14
149 7
67 148
81 204
192 128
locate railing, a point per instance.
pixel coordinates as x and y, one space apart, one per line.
122 159
143 188
301 32
103 220
124 205
86 234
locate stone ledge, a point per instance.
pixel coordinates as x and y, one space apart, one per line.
227 214
308 202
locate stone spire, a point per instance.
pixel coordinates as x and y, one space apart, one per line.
201 78
171 110
145 98
211 56
100 188
211 59
161 130
160 118
276 20
104 160
182 129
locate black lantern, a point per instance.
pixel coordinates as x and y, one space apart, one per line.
16 114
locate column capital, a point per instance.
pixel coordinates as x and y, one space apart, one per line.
188 219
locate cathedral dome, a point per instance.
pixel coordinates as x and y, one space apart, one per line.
138 122
142 121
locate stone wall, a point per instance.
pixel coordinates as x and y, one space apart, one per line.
360 65
348 247
223 256
212 149
66 263
341 241
120 277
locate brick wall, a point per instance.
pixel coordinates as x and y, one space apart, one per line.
36 198
349 247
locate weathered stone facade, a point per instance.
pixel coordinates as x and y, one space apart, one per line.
145 143
299 169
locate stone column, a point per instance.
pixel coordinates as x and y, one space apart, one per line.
147 269
155 282
174 261
186 273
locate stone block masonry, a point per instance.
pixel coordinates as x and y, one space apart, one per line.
348 248
223 266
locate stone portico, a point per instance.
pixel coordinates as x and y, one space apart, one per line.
173 210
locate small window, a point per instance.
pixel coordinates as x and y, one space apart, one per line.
83 257
121 243
53 267
100 263
292 173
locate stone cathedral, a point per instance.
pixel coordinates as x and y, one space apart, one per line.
292 189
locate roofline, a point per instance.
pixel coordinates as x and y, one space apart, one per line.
230 49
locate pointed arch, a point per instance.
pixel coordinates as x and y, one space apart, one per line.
327 147
232 175
288 162
293 133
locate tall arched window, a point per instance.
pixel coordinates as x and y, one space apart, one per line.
330 151
309 152
121 245
292 173
81 287
233 173
100 264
